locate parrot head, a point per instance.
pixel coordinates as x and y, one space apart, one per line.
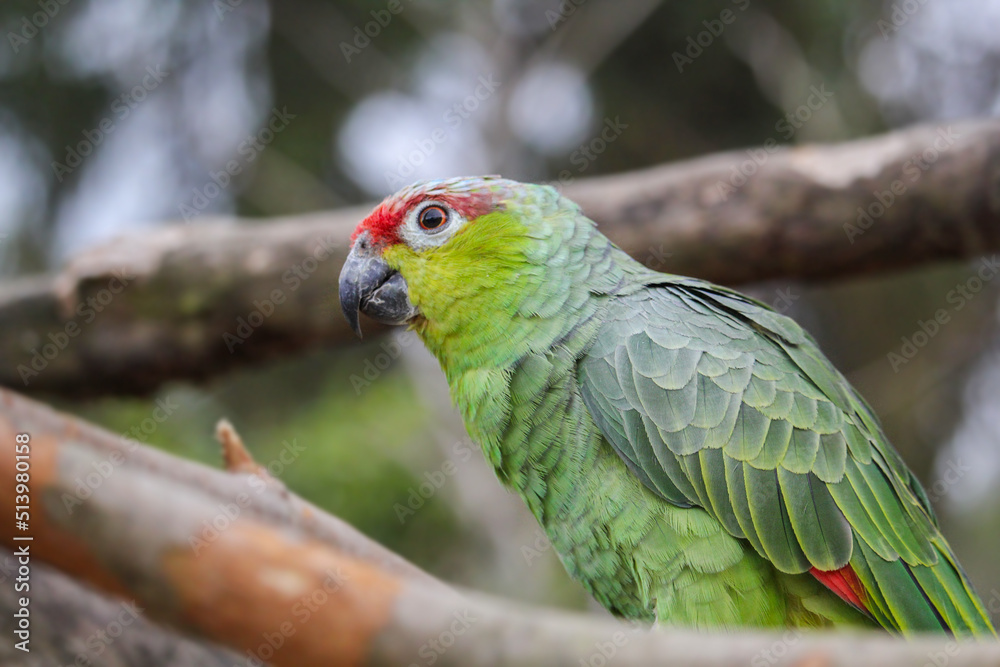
441 255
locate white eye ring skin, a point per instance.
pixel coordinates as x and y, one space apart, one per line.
418 237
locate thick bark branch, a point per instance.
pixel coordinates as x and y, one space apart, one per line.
275 580
266 502
200 299
74 625
925 194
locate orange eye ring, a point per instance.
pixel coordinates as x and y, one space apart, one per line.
432 218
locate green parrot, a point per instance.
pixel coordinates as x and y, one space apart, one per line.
692 456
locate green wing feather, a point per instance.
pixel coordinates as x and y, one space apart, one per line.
714 400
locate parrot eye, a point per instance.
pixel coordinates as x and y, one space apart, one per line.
432 218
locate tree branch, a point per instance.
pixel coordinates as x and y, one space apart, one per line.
73 625
278 581
195 301
813 212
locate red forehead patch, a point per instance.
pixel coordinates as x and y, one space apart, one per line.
384 222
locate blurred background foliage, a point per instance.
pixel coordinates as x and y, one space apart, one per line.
156 98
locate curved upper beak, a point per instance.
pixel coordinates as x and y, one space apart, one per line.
368 285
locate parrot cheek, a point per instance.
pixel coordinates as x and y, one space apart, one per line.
390 303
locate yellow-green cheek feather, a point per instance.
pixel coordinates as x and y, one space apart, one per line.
468 289
465 291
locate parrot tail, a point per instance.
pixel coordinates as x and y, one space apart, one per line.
912 599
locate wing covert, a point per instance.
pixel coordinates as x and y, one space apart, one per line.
713 400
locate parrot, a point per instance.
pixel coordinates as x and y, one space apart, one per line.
691 455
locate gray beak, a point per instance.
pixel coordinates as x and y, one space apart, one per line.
369 286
